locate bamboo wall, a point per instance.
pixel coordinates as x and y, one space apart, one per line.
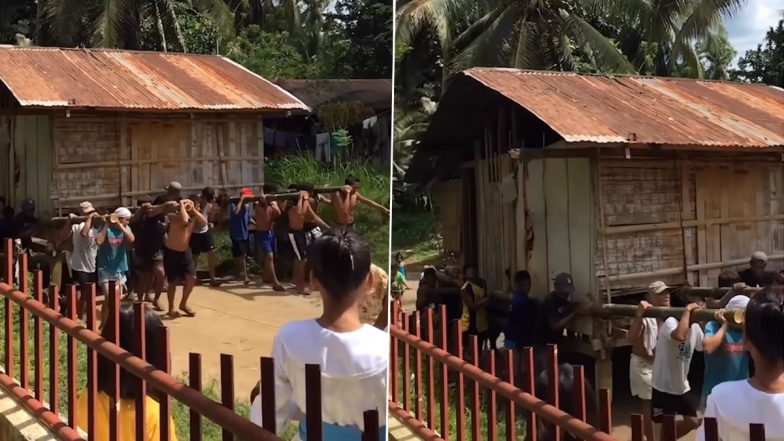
26 160
113 160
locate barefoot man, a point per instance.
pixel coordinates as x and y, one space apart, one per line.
345 202
177 256
264 215
298 212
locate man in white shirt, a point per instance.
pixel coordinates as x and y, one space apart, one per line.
81 259
760 399
675 346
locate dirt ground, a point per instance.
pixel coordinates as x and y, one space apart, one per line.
237 320
622 408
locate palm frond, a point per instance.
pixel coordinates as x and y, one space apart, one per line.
111 22
525 47
486 48
705 15
291 12
220 13
414 16
63 17
603 51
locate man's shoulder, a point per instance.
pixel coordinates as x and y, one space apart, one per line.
729 389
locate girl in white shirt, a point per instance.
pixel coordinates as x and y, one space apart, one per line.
760 399
353 356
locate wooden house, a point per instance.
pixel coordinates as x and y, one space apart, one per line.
112 125
619 181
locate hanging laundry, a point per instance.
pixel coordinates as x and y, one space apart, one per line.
323 151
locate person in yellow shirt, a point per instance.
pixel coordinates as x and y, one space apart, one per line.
126 420
474 294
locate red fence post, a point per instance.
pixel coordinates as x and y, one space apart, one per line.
38 339
552 382
492 411
530 387
9 309
227 388
194 382
113 303
431 386
313 402
71 346
476 409
92 366
444 377
54 354
406 367
711 429
756 432
637 428
605 411
579 392
24 363
162 334
668 428
417 325
460 426
267 390
140 334
511 424
393 351
371 426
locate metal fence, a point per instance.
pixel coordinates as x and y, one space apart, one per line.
167 388
420 351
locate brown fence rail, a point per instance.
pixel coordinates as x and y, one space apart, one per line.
148 376
439 405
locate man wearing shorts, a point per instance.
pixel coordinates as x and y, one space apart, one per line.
201 239
642 334
149 223
112 257
345 203
297 213
177 256
239 231
85 248
264 215
675 346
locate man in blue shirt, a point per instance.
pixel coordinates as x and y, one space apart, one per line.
725 356
239 227
521 328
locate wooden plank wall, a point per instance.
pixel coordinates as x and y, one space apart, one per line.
32 145
6 177
448 199
684 219
113 160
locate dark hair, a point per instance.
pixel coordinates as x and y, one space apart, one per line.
268 188
522 276
430 271
764 324
769 278
340 260
727 278
8 211
351 180
162 199
144 199
128 386
208 193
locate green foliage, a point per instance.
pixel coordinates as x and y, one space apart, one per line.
374 184
716 54
766 63
199 31
269 54
368 24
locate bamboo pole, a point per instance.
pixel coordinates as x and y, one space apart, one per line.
703 314
716 293
288 195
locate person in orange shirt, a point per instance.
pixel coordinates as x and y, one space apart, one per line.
126 419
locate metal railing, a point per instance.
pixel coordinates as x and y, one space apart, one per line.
147 375
417 346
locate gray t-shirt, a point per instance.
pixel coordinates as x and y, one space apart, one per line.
84 249
672 358
206 226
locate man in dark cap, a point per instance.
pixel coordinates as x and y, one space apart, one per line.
26 224
557 309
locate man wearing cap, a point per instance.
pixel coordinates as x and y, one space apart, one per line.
81 259
557 309
725 357
26 224
643 333
201 239
113 241
239 231
173 191
755 275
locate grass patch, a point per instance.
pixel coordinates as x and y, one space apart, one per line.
415 230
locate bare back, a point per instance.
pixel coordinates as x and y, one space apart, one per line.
297 219
179 233
344 205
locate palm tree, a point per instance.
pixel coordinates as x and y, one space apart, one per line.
716 53
116 23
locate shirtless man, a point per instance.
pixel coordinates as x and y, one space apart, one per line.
345 202
298 214
177 256
264 215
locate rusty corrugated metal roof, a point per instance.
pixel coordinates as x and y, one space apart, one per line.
136 81
644 110
375 93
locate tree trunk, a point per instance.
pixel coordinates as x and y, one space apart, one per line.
177 30
39 23
161 30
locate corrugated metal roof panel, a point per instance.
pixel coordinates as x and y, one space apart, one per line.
136 80
644 110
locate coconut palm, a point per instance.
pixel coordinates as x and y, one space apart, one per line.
716 53
116 23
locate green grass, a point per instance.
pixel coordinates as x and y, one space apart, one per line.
415 231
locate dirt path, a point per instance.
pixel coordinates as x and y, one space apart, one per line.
237 320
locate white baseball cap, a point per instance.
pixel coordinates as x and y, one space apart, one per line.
759 255
123 213
657 287
738 302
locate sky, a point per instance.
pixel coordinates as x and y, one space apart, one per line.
747 28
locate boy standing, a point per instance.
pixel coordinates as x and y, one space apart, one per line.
239 226
675 346
201 239
177 256
642 334
264 215
725 357
520 329
85 249
760 399
112 257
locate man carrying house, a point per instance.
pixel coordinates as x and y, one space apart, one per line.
755 275
81 259
149 223
264 215
297 214
174 191
239 231
201 239
345 202
177 256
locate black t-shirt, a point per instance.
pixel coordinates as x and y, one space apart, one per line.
553 307
747 277
150 234
24 228
7 229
